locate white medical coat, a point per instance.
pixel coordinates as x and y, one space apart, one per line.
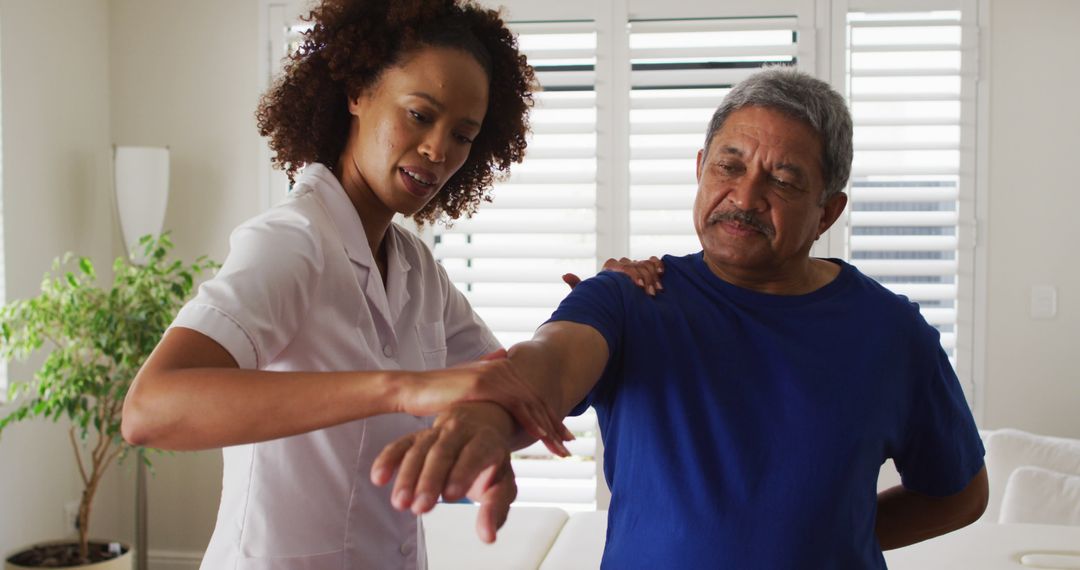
300 290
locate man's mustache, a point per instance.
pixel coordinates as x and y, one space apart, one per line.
743 217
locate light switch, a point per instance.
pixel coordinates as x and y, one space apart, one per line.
1043 302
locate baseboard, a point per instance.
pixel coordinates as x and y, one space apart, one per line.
174 559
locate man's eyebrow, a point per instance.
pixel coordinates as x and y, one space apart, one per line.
439 106
731 150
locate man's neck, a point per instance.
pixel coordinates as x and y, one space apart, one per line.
797 278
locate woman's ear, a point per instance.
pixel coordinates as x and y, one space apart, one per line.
356 104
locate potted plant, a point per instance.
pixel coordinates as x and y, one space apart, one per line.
97 339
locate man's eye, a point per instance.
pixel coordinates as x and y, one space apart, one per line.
784 184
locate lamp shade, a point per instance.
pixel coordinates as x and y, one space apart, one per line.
141 177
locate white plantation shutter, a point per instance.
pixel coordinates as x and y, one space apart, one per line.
681 70
912 99
509 257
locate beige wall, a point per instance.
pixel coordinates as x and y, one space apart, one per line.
56 173
1032 379
185 75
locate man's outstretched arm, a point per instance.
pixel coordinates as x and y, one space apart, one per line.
467 451
905 517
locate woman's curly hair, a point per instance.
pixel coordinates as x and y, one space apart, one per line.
305 113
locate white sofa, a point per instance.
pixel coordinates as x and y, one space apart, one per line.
533 538
1034 481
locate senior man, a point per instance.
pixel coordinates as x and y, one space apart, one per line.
746 410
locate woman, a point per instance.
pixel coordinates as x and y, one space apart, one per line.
293 357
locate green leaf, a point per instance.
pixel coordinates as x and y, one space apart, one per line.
96 338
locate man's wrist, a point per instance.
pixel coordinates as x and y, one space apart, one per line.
485 414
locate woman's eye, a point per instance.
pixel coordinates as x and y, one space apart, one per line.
463 139
418 116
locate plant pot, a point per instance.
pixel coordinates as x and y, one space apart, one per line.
125 561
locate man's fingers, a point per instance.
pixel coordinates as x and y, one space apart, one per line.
473 471
495 507
409 471
435 473
389 459
571 280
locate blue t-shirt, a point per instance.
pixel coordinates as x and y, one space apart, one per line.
747 430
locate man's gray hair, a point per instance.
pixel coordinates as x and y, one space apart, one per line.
803 97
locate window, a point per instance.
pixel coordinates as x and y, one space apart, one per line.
910 82
680 71
509 257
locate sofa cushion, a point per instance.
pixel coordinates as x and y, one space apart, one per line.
521 544
1009 449
1041 496
580 545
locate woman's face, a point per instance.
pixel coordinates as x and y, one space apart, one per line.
413 129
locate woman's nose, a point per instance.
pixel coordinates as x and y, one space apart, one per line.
433 147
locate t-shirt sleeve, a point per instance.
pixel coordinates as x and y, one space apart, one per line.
467 335
256 303
942 450
598 303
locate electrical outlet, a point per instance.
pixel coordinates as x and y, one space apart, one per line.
71 517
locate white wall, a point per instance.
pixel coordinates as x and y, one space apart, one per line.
185 75
55 124
1032 380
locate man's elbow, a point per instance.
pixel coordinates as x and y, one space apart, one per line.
976 498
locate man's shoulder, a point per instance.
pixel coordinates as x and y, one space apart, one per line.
885 305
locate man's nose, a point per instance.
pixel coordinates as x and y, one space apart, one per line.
433 146
748 193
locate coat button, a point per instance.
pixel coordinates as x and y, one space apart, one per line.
404 549
387 351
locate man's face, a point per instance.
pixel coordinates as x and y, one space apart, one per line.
758 206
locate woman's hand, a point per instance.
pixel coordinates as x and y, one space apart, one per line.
646 274
491 379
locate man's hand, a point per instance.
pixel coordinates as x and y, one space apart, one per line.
466 453
490 379
646 274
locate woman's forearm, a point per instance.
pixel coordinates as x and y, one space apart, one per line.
201 408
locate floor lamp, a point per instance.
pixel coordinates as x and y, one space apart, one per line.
141 179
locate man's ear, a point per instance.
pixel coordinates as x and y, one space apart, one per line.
700 160
834 206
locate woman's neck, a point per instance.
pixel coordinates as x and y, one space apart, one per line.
374 215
